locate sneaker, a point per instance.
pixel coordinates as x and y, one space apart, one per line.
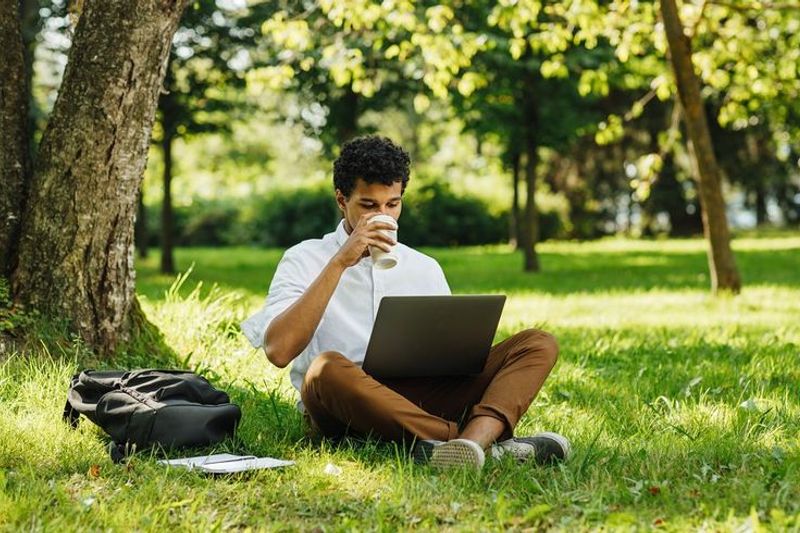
423 449
543 448
449 454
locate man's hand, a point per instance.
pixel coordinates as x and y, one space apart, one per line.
364 235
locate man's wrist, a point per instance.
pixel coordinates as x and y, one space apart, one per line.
337 263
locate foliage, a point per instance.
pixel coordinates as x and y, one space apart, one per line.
432 216
13 317
208 223
600 67
348 58
285 218
682 408
207 60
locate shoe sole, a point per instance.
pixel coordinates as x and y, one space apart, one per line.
457 453
560 439
422 451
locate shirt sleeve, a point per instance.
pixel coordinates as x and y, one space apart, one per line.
288 284
442 287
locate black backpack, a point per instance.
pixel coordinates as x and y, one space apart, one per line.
168 408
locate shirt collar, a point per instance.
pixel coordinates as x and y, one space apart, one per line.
341 233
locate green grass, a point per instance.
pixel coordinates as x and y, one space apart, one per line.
683 408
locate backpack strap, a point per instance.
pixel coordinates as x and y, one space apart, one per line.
85 388
118 452
70 415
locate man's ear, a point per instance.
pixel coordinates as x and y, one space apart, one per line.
340 200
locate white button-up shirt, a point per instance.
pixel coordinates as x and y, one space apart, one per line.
347 322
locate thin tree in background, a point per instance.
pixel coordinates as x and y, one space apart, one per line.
529 234
140 227
722 265
199 91
514 220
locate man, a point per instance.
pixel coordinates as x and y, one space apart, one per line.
319 314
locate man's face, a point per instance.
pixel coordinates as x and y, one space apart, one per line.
374 198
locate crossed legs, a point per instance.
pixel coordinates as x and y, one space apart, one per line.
340 397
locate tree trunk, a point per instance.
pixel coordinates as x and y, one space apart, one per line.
414 145
140 235
629 214
31 26
347 123
722 265
759 188
761 204
15 163
530 226
167 230
76 251
514 222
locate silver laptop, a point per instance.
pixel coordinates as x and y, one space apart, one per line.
426 336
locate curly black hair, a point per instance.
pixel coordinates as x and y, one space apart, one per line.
373 159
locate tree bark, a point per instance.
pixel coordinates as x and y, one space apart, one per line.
760 202
15 163
167 230
76 251
759 188
530 226
31 24
349 112
514 222
722 265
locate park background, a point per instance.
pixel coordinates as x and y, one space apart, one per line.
550 162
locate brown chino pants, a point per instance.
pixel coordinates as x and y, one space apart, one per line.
340 397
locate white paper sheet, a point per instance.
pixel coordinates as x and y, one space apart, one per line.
226 463
192 462
230 467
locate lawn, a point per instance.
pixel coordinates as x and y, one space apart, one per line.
683 408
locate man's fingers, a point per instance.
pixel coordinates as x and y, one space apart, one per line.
373 232
382 225
382 245
383 237
366 217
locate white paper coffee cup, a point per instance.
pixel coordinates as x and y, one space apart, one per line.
380 258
